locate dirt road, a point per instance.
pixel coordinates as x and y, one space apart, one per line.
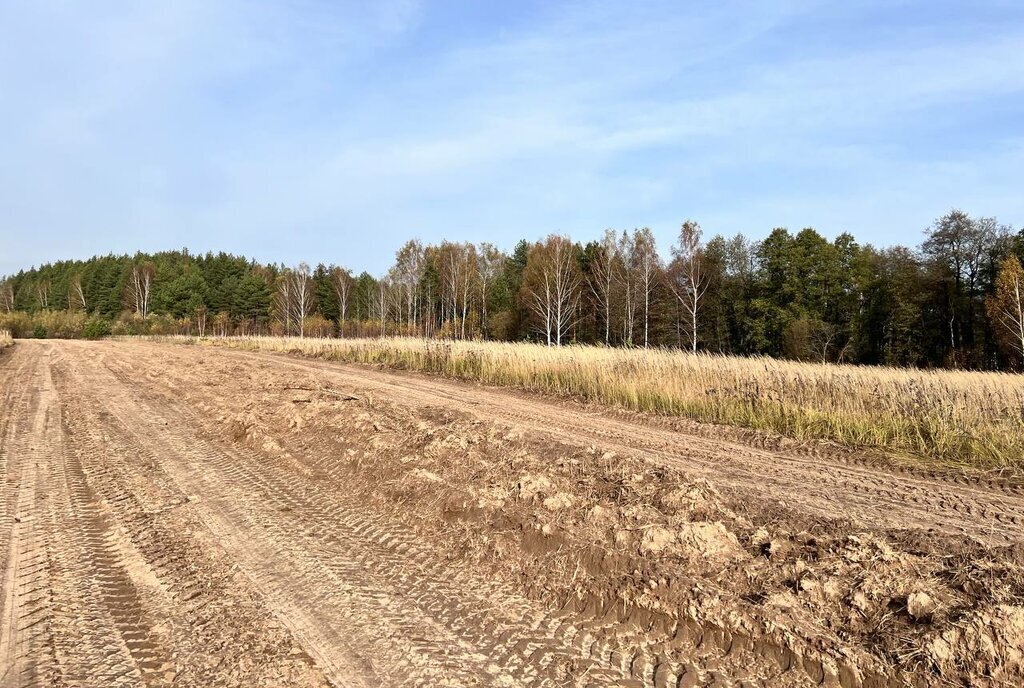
182 515
830 484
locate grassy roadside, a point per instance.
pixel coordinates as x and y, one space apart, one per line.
949 417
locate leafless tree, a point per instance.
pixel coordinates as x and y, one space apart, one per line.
140 287
146 275
342 282
7 296
469 280
430 310
822 336
552 281
688 280
457 264
381 303
648 272
451 267
407 274
76 295
604 275
627 277
301 295
200 313
490 262
43 293
293 298
282 304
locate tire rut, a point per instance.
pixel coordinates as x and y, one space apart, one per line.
870 495
81 605
344 559
26 650
121 499
608 646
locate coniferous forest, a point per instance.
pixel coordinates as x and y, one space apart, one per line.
952 301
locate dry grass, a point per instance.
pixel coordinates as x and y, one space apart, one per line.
960 418
5 339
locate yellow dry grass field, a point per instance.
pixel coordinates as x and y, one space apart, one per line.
5 339
949 417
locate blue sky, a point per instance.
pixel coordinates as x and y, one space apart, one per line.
333 131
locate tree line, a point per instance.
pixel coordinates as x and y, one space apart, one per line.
954 301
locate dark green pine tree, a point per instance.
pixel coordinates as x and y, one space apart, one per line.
325 296
252 300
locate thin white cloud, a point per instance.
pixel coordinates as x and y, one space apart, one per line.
229 125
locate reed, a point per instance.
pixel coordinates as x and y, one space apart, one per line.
5 339
953 417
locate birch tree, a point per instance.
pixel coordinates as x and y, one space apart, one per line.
627 278
201 313
687 278
552 282
380 304
301 291
76 295
293 298
1006 306
7 296
604 275
490 262
282 303
221 323
449 277
648 273
140 287
457 265
43 293
407 273
469 279
342 282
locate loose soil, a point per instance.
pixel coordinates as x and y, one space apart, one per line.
193 516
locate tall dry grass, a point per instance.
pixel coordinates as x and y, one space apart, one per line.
965 418
5 339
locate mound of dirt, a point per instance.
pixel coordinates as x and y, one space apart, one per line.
755 588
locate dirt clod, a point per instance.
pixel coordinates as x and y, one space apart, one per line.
920 605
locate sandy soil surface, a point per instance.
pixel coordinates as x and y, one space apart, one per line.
186 515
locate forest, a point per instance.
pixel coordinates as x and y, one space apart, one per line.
953 301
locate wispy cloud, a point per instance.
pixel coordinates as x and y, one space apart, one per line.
295 130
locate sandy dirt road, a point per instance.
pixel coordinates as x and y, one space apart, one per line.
175 515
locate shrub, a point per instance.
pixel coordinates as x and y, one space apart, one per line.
19 324
60 324
96 328
318 326
54 325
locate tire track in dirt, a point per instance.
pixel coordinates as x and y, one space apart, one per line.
462 636
61 587
655 655
609 645
109 607
869 495
142 504
26 654
80 605
181 595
